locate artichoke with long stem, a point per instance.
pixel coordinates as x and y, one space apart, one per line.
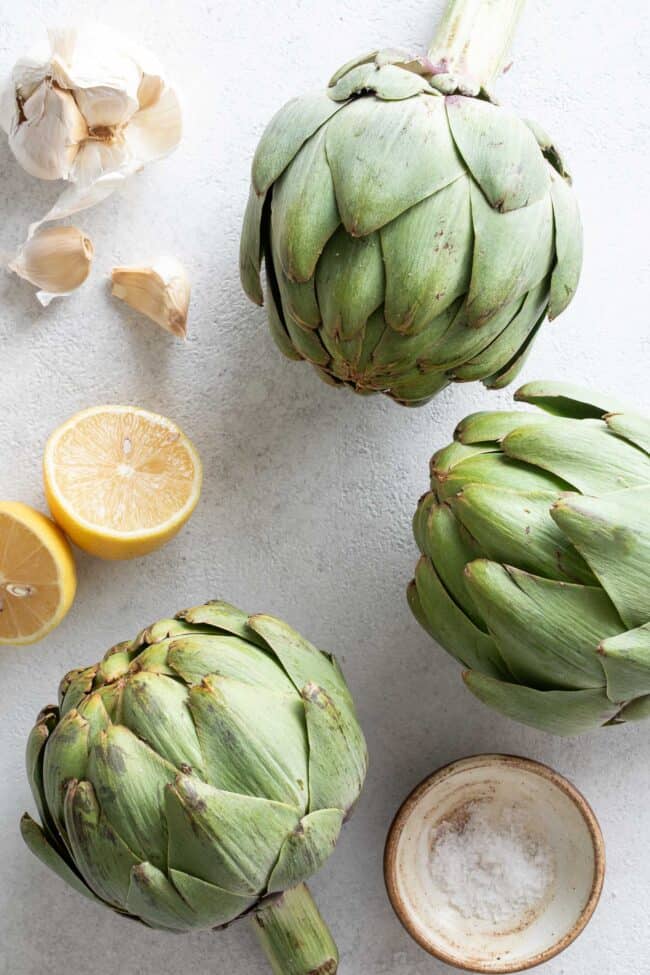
535 567
413 232
200 773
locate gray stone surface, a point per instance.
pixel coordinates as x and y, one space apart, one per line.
309 492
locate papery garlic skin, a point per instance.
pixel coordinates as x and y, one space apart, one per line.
57 260
90 108
51 131
161 291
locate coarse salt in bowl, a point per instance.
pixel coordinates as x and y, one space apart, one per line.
495 863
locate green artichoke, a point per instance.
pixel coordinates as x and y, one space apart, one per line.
413 232
535 567
195 774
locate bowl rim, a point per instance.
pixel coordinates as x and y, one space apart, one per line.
531 766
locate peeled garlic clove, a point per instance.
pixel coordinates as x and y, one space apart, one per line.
46 135
56 260
160 291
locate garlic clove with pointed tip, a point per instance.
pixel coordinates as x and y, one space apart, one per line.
156 130
48 133
56 260
90 107
161 291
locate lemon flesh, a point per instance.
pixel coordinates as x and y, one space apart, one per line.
37 574
121 481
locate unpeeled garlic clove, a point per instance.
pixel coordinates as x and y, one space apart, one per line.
56 260
48 135
89 107
161 291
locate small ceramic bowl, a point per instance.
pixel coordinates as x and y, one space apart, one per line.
555 811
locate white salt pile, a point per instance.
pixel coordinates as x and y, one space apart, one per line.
490 866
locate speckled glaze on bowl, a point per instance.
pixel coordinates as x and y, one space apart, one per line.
558 812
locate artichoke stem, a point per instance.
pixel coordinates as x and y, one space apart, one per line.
294 936
474 38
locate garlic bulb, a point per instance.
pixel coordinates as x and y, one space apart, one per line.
161 291
90 108
57 260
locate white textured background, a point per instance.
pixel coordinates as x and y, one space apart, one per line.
309 492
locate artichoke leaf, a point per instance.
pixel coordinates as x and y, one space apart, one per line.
452 628
306 849
304 210
461 341
223 838
637 710
154 659
301 660
349 283
450 546
549 149
356 80
584 453
387 156
307 343
277 325
211 906
396 352
74 688
338 758
500 151
66 757
566 400
128 778
376 328
114 664
419 387
243 754
612 533
368 58
344 354
427 503
510 340
563 713
428 256
513 253
101 856
198 656
445 460
41 847
388 82
219 615
250 248
162 630
626 661
515 527
415 605
46 722
155 707
547 631
154 899
507 373
568 246
632 427
491 426
287 131
298 298
490 467
393 82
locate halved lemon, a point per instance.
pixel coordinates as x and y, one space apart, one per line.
121 481
37 574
